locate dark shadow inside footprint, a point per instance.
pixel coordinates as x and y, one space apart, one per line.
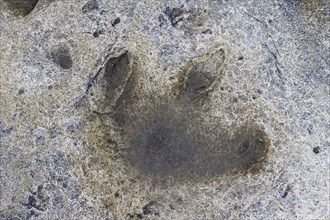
21 7
116 73
177 146
197 81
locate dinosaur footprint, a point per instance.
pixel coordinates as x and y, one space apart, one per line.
169 137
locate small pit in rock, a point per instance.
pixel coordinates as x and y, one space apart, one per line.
62 57
115 22
21 91
316 150
96 34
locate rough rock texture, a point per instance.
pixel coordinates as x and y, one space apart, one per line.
170 109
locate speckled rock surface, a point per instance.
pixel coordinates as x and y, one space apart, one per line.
178 109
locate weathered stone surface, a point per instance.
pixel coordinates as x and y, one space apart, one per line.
170 109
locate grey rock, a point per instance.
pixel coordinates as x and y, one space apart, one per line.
168 109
